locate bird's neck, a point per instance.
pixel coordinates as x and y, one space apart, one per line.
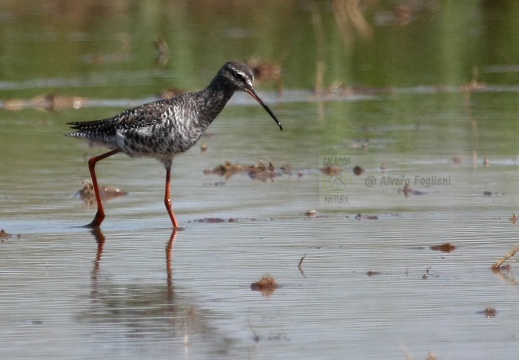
213 100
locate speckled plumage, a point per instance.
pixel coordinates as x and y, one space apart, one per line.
165 128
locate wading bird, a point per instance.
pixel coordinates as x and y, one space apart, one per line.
165 128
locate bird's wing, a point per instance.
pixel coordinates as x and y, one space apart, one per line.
138 117
143 116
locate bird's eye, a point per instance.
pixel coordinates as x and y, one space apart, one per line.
239 77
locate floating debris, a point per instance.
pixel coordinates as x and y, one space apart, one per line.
406 190
428 275
431 356
489 312
216 183
4 235
311 213
366 217
359 145
331 170
502 269
338 88
373 273
48 102
456 160
215 220
259 171
513 219
267 285
263 173
87 193
492 193
446 248
212 220
203 148
497 266
301 263
357 170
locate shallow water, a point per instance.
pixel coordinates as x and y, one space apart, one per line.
369 286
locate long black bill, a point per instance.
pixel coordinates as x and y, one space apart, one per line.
252 93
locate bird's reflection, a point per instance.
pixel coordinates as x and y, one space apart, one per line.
138 308
100 239
169 267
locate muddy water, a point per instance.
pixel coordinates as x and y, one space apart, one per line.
439 161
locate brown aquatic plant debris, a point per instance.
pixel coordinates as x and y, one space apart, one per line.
212 220
311 213
360 145
216 220
497 266
489 312
492 193
431 356
258 171
48 102
409 356
331 170
446 247
406 190
357 170
262 172
456 160
216 183
373 273
87 193
267 285
366 217
4 235
203 148
337 89
301 263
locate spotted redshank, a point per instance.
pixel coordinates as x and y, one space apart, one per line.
165 128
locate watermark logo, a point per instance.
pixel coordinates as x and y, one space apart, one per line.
338 178
333 181
416 180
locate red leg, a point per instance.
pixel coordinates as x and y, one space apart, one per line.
100 215
167 197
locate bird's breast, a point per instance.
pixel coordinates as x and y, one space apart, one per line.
162 139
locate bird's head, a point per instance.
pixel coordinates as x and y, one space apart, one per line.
240 77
